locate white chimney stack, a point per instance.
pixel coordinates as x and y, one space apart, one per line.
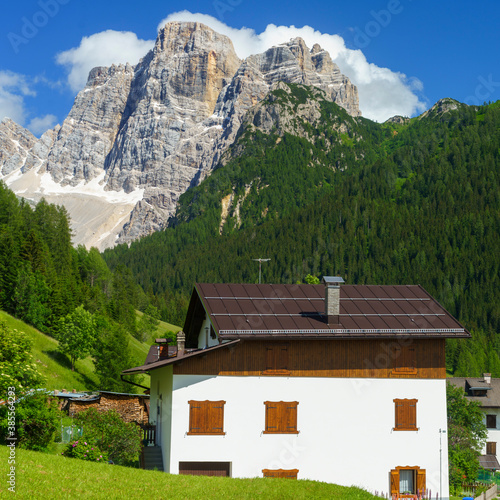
487 377
332 298
181 343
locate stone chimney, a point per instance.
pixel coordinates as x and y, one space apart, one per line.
181 343
332 298
487 377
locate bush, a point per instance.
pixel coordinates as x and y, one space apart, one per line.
107 430
36 420
83 450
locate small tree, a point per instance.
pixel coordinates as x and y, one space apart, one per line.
119 439
77 334
17 368
312 280
466 435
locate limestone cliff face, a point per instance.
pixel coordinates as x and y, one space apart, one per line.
139 136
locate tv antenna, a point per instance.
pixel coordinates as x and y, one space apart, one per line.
260 261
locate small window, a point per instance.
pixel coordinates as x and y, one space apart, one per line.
405 414
281 417
406 481
276 360
491 448
288 474
491 421
404 360
206 417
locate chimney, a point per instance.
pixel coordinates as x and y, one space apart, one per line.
487 377
332 298
181 342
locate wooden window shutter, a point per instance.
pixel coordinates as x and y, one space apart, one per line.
270 358
491 421
216 417
290 416
405 414
272 416
281 417
283 473
420 480
206 417
491 448
404 360
394 482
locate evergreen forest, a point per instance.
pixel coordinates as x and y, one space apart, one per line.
410 201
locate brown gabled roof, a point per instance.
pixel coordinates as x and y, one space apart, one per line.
177 359
298 311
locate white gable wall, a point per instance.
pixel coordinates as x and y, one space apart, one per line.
204 339
346 428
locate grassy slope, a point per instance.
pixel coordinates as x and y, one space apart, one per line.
52 364
40 475
57 368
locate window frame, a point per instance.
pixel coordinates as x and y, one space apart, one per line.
489 417
212 419
286 414
419 481
405 411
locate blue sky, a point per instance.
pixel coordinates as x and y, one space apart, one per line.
404 55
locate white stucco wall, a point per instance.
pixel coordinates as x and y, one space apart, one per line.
493 434
160 410
346 427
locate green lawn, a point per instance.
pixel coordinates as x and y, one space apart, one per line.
44 476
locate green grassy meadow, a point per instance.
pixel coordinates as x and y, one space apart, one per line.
56 367
45 476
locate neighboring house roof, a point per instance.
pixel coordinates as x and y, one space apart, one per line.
298 311
489 462
177 359
492 397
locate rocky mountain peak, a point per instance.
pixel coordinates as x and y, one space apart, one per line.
139 136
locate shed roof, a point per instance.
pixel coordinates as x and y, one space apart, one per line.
489 462
298 311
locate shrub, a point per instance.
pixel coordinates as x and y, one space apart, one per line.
36 420
83 450
107 430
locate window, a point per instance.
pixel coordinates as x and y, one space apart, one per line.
276 360
206 417
404 360
281 417
405 414
491 421
491 448
407 481
288 474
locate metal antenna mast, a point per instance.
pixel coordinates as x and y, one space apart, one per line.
260 261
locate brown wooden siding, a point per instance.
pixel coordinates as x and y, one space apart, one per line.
324 358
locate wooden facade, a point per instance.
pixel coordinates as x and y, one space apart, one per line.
364 358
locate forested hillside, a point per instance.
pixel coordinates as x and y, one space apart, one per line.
44 281
397 203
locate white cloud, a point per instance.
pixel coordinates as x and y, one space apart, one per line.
13 88
382 93
41 124
102 49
